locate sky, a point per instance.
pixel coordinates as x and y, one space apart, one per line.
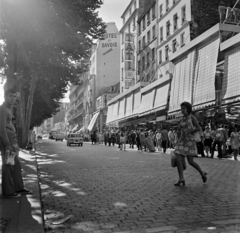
110 11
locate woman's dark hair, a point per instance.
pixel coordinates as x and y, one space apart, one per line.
188 106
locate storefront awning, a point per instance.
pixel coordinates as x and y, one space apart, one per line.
147 101
121 111
182 83
93 120
129 105
231 79
205 72
161 97
136 102
109 113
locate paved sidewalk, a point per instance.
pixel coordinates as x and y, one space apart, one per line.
23 215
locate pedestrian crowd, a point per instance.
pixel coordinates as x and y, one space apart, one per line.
224 140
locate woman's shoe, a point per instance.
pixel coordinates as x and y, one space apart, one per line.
204 177
180 182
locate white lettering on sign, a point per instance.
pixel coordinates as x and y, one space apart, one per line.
110 35
109 45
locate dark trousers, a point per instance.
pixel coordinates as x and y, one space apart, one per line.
219 144
11 176
138 144
200 148
164 146
109 141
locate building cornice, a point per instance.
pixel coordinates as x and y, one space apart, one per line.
129 19
127 8
144 13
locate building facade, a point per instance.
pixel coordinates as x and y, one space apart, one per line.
178 65
128 44
103 72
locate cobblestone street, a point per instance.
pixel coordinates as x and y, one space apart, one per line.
107 190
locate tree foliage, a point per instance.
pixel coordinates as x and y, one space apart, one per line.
206 15
51 40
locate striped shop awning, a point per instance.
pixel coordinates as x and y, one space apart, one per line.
109 113
121 111
129 105
231 78
161 97
204 78
181 89
147 101
115 111
136 102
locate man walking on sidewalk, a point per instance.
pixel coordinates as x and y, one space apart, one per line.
12 182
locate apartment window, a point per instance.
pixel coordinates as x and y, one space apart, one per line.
160 57
129 27
148 17
90 104
153 54
122 54
153 32
139 66
168 28
148 56
183 14
139 28
134 23
143 63
139 45
122 74
182 39
167 5
143 22
130 10
122 89
166 53
161 34
174 45
175 22
174 2
122 38
161 10
154 11
129 65
123 20
148 36
143 42
135 5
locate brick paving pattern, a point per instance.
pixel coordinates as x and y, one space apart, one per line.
107 190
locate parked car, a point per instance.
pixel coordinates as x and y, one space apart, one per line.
52 134
75 138
39 136
59 136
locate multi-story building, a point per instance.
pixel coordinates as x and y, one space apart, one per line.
173 23
187 60
76 111
147 43
128 44
104 70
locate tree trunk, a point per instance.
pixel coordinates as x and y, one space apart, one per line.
26 111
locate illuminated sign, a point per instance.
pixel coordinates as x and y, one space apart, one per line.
229 15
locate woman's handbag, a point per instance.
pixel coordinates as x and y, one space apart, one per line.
173 159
